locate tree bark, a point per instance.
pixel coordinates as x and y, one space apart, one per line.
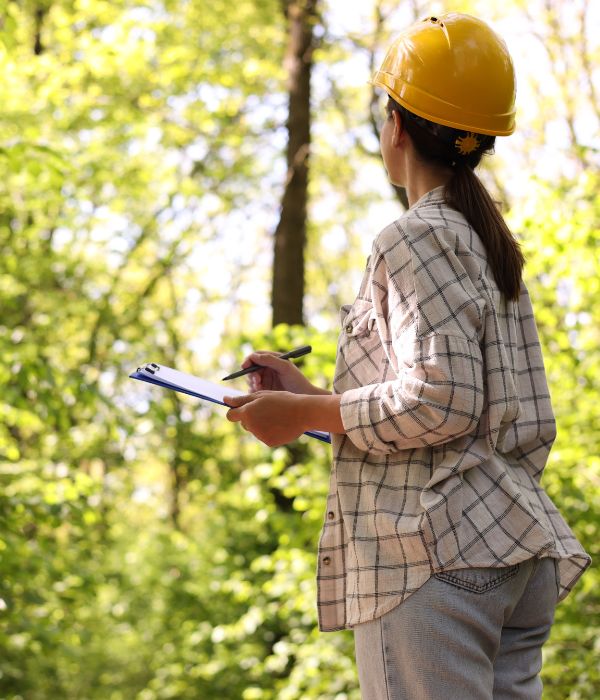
290 235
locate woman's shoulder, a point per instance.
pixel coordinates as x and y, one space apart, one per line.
434 242
422 228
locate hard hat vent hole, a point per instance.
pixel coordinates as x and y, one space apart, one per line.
434 19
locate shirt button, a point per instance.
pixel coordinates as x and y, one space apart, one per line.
330 515
349 328
327 561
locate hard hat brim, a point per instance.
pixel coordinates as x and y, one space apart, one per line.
442 112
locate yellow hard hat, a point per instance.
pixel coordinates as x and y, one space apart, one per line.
452 70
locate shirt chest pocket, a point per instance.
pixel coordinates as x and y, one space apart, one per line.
360 352
360 320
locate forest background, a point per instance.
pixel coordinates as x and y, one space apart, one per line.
157 203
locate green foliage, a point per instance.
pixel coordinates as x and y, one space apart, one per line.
149 549
560 228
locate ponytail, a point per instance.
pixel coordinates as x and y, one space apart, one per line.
466 193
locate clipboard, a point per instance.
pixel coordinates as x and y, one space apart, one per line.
173 379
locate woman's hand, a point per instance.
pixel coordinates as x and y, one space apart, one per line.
278 417
277 375
274 417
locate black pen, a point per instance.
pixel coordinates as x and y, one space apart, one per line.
297 352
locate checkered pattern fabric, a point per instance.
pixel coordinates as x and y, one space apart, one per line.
448 425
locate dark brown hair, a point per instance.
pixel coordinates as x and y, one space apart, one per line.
462 151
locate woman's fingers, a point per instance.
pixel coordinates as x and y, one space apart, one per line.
271 416
255 381
265 359
236 403
271 369
275 374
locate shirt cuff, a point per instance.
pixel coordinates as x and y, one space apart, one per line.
354 410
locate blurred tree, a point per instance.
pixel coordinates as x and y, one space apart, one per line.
290 234
144 549
119 124
376 106
563 273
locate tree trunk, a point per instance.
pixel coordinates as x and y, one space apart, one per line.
290 234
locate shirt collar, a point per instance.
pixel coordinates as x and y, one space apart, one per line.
434 196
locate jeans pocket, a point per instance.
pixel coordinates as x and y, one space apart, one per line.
478 580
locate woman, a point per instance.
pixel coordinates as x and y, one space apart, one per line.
440 548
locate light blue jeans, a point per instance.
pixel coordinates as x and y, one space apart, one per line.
468 634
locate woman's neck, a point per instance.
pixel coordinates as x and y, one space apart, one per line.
420 181
419 178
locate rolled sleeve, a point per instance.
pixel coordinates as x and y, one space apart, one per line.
436 398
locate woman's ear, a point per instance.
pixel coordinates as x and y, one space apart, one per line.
398 128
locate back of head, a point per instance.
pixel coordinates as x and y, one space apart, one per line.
451 79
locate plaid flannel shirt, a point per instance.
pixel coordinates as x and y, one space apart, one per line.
448 425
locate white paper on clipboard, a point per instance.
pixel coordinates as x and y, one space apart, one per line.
170 378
